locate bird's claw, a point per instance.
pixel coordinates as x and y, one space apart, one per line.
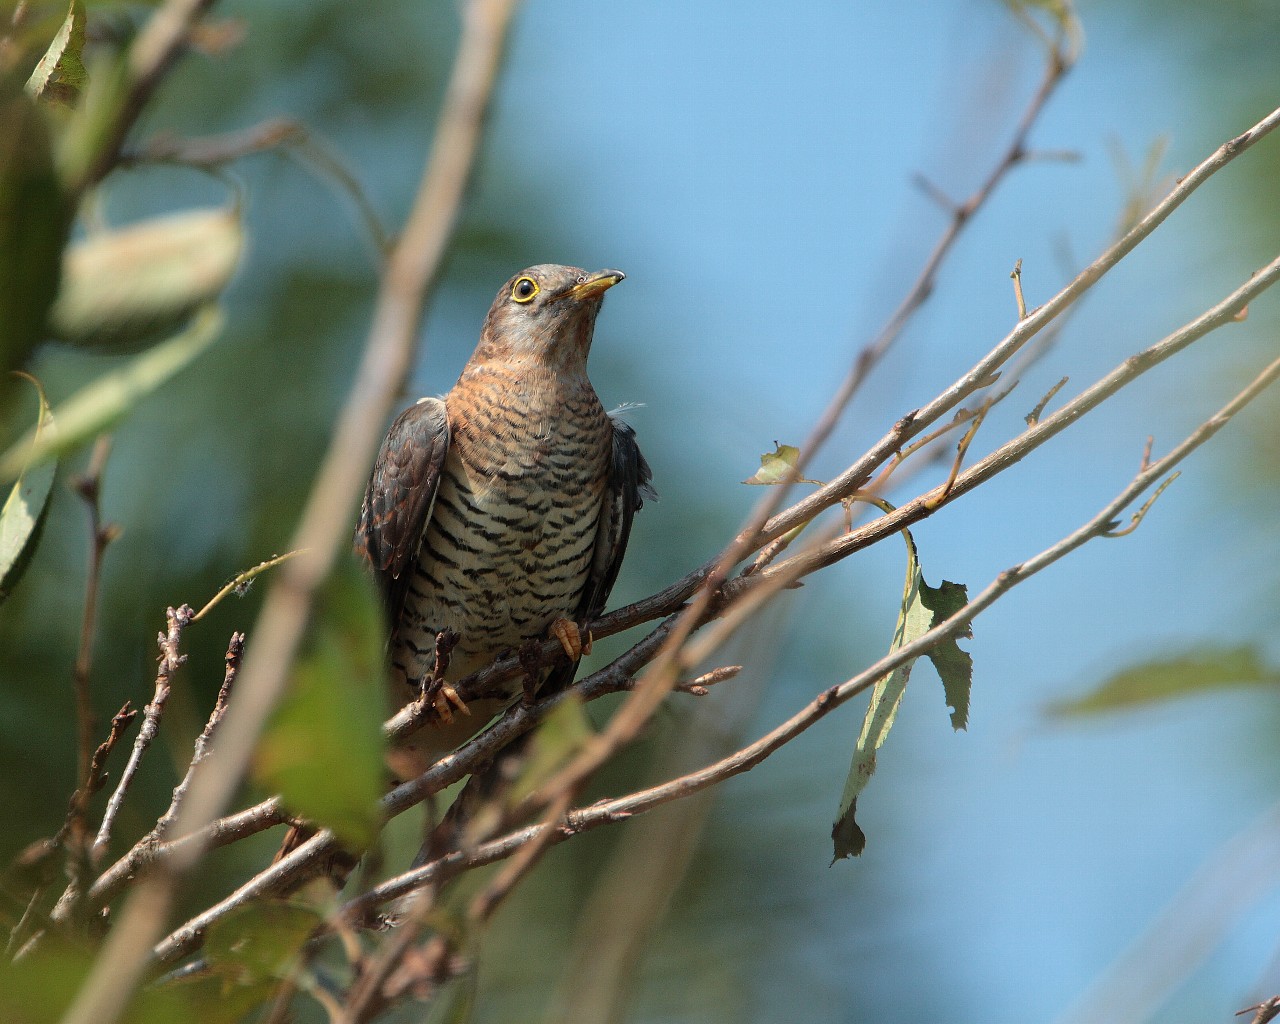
575 640
444 699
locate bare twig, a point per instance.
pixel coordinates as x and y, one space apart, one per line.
170 661
292 138
1033 417
408 280
214 150
89 488
1018 297
235 649
1219 315
77 812
1263 1012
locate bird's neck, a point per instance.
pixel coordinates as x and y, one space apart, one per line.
526 382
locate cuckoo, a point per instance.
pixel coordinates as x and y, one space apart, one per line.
500 513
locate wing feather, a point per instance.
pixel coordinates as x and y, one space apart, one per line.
400 497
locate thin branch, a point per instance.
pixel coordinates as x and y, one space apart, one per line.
77 812
235 650
213 151
980 374
292 138
89 487
240 584
407 282
170 661
1219 315
154 51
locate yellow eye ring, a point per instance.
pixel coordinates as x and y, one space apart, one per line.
524 289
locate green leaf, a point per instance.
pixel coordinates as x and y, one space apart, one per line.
34 221
457 1003
22 517
775 466
259 942
124 290
39 988
1186 675
953 665
99 405
323 751
60 75
556 742
922 608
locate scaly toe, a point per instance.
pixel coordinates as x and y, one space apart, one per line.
569 636
445 700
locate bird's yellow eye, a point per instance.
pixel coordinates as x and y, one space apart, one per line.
524 289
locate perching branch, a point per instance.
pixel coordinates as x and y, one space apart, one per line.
621 808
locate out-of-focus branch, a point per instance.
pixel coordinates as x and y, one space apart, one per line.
407 281
89 487
155 49
211 152
1230 883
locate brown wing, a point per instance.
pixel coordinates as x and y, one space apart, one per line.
629 485
400 496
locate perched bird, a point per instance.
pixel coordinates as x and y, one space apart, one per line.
501 511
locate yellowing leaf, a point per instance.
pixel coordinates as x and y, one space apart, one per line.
23 514
123 290
323 751
923 607
1184 675
60 73
97 406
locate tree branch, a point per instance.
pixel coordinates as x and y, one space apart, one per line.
605 812
408 279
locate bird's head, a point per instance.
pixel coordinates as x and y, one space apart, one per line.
546 315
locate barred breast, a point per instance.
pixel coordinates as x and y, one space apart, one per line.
509 544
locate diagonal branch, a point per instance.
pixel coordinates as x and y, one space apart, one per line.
408 280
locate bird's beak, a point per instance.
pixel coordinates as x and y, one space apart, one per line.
596 284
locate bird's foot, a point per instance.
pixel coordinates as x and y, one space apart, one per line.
443 698
530 655
575 640
446 641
